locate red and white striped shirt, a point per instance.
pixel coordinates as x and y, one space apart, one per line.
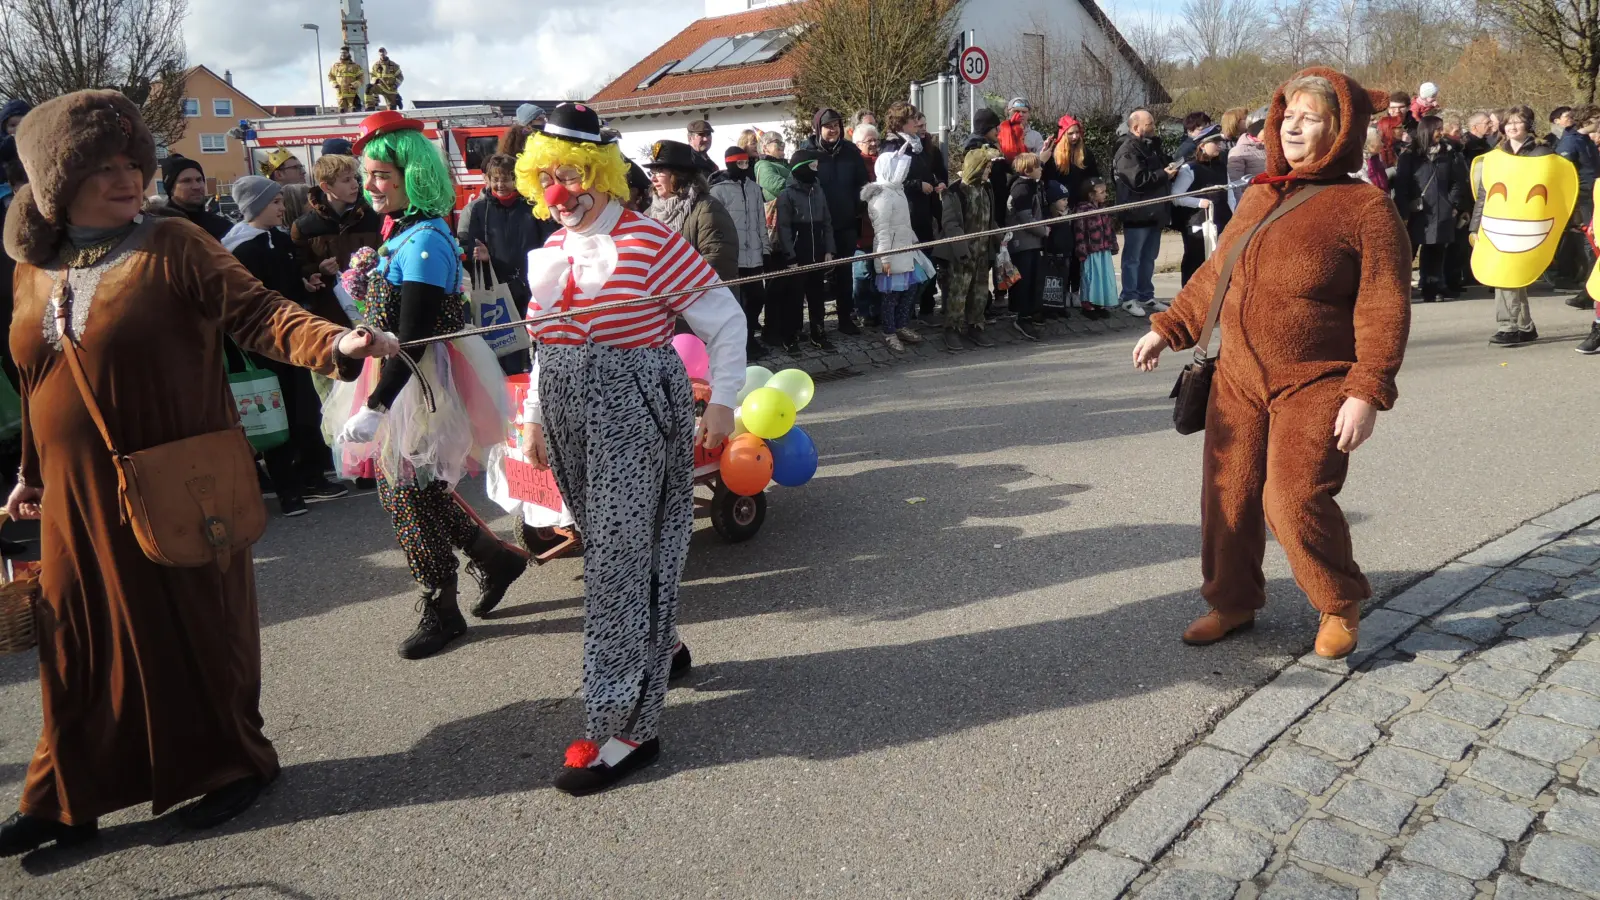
651 259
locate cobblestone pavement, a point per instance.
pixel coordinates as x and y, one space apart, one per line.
1456 756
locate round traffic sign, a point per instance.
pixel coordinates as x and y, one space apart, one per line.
974 65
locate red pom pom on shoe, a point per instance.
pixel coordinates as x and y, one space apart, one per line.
581 753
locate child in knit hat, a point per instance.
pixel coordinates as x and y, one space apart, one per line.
1426 102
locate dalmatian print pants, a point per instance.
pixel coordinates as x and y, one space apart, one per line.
429 526
619 428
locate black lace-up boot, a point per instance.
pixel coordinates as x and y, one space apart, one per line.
494 566
441 622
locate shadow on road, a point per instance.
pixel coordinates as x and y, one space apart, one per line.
822 706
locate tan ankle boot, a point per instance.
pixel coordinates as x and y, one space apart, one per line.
1216 625
1337 635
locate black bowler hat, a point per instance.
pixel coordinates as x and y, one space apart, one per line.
575 122
673 155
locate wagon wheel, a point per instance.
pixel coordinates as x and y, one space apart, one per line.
737 518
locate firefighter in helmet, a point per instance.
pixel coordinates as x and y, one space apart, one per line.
346 76
386 78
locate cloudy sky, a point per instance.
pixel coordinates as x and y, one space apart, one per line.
449 49
458 49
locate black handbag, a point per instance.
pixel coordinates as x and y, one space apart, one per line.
1193 390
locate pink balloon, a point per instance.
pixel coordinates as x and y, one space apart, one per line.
692 351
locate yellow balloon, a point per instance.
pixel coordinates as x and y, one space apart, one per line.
1527 201
738 423
768 413
797 384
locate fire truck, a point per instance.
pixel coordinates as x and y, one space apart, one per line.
466 134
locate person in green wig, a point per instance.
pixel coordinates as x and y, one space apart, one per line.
423 423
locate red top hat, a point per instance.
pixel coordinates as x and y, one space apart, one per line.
384 122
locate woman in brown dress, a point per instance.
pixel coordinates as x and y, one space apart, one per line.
150 675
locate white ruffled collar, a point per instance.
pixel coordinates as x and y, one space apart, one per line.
589 255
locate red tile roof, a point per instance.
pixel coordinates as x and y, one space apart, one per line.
736 84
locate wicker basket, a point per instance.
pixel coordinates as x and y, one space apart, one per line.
17 631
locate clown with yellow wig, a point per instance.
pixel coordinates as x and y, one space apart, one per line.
423 423
613 418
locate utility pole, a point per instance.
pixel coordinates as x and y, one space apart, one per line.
322 80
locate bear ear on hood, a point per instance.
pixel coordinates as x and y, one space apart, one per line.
1379 100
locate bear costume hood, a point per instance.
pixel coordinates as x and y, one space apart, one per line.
1356 108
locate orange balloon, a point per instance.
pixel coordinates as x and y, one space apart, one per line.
746 465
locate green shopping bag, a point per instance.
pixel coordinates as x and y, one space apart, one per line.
259 399
10 410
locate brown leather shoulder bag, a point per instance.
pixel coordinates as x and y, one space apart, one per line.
192 502
1193 390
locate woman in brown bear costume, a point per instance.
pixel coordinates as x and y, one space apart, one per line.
1314 326
150 675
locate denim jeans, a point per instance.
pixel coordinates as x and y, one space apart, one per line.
1140 246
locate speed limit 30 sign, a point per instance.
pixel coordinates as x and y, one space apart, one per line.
974 65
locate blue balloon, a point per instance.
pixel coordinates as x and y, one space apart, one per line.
794 458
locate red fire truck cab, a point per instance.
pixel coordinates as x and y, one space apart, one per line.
467 136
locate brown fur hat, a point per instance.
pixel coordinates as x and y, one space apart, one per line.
61 143
1356 108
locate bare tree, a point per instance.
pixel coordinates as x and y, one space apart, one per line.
1296 30
1155 44
862 54
1060 72
1569 30
1417 34
1220 28
54 47
1344 33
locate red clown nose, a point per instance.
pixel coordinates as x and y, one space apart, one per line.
557 195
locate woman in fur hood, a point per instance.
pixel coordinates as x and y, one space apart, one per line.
151 674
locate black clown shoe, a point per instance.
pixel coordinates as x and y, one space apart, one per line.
591 769
23 834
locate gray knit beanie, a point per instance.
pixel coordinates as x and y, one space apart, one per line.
527 112
252 193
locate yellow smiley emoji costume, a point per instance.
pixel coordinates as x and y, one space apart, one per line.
1523 203
1594 234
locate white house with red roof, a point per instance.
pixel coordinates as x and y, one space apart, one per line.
732 68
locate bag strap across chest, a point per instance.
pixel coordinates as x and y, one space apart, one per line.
1202 348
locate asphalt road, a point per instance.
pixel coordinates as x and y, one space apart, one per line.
934 671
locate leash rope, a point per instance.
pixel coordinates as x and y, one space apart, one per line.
826 264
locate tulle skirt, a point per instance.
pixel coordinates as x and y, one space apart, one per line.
470 415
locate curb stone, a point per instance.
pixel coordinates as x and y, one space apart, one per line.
1504 769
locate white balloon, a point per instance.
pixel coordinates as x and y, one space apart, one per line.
754 377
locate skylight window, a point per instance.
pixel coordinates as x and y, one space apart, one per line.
694 59
656 76
715 59
739 50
